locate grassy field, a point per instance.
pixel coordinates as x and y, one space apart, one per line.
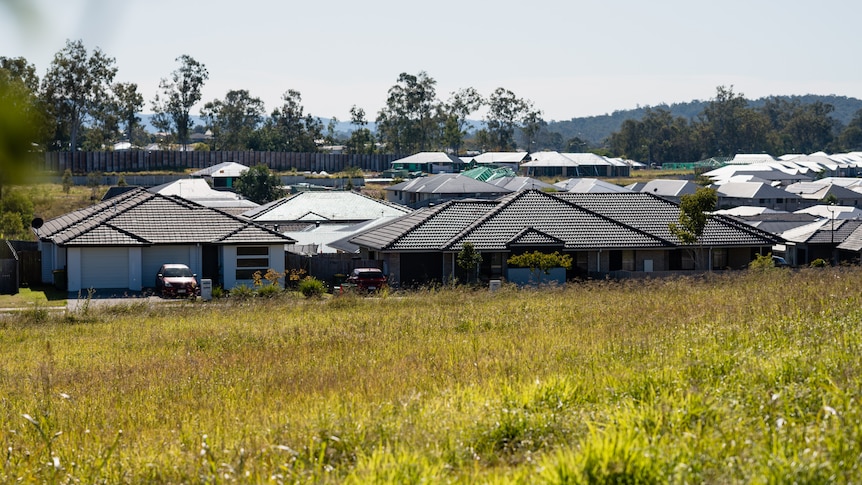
746 378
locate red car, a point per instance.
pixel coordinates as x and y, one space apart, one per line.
367 279
176 280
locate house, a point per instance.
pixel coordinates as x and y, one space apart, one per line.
818 191
618 234
429 162
222 176
423 191
552 164
669 189
761 194
314 219
823 239
510 160
198 190
591 185
121 243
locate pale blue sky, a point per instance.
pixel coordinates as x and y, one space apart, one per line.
569 58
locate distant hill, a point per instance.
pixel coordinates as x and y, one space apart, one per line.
596 128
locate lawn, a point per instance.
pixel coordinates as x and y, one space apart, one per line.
752 377
34 296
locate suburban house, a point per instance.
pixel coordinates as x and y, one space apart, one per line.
510 160
832 240
222 176
667 188
423 191
316 218
550 164
732 194
120 244
820 191
616 234
592 185
429 162
198 190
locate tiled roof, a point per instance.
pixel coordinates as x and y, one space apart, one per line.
654 215
142 218
576 226
579 221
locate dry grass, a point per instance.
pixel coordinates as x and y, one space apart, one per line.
749 377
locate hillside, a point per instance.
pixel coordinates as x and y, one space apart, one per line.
596 128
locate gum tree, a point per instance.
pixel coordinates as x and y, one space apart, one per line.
178 95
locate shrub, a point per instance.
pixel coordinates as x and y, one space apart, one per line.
218 292
819 263
269 291
543 261
762 262
242 292
311 287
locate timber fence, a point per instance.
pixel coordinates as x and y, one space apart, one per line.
154 161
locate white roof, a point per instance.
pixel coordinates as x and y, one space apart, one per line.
832 211
752 190
198 190
669 188
498 157
428 157
588 185
325 206
224 169
745 210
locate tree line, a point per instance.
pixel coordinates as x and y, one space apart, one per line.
77 105
728 125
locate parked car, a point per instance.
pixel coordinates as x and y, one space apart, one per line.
367 279
780 262
176 280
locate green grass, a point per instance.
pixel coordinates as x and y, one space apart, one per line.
34 296
751 377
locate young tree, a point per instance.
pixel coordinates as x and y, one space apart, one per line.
259 185
233 121
77 90
693 216
178 95
469 260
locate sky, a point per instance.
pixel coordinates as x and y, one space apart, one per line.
569 58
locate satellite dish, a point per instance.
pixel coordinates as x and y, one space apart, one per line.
37 223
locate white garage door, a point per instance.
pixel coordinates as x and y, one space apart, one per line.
104 268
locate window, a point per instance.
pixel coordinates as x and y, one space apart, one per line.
250 259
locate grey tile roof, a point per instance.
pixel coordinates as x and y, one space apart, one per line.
578 227
579 221
139 218
654 215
